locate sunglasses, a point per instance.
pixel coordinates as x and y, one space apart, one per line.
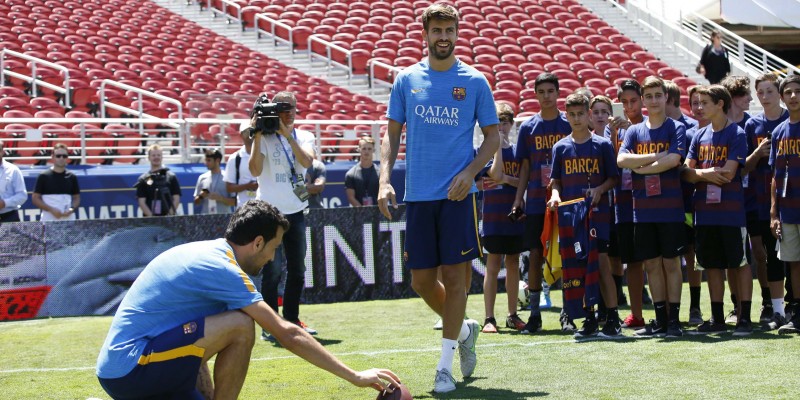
61 155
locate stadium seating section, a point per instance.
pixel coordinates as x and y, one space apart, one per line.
141 44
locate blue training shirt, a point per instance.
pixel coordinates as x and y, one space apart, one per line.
440 109
185 283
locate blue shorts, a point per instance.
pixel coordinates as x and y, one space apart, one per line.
441 232
167 369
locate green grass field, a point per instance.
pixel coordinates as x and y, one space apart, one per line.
54 359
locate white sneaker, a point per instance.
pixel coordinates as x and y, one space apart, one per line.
444 381
438 325
466 349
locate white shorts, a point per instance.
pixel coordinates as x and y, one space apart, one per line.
789 246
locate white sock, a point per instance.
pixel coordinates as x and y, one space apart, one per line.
448 351
777 306
464 334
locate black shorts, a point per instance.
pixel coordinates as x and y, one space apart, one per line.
602 246
756 227
659 239
534 224
503 244
720 247
621 243
689 234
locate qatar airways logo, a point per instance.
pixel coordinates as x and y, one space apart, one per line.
437 115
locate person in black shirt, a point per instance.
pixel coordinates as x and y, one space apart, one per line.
714 63
57 193
158 190
361 181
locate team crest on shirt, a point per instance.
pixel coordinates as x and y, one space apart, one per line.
189 328
459 93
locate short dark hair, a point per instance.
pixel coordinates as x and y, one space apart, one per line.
629 84
252 219
441 12
717 93
545 77
737 85
768 77
577 99
794 78
213 153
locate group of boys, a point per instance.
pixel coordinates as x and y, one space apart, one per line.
654 192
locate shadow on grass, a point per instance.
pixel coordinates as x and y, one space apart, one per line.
324 342
464 391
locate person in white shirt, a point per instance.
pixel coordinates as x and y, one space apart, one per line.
237 176
279 160
12 189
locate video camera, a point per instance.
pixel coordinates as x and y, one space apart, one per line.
267 120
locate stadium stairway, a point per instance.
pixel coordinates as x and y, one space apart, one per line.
357 84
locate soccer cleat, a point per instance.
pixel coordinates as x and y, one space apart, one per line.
732 318
438 325
534 324
308 329
674 329
567 324
489 325
776 322
444 382
653 329
545 301
695 316
466 349
268 337
743 328
612 329
514 322
710 327
766 314
793 326
588 329
631 322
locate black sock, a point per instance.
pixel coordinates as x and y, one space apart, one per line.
590 314
674 310
717 312
694 296
733 300
661 312
766 297
744 312
612 314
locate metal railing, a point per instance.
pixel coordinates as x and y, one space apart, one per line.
32 79
273 24
330 49
391 69
224 12
754 58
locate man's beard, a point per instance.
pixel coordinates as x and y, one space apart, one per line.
433 50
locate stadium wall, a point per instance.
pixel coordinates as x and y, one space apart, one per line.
84 267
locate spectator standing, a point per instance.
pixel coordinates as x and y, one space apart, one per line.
237 177
316 177
714 63
279 161
12 189
158 190
210 191
57 193
361 181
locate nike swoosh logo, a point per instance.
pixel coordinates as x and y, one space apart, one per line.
463 253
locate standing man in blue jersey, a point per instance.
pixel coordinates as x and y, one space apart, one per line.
196 301
439 100
535 142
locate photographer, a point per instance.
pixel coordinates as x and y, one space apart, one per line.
278 159
158 190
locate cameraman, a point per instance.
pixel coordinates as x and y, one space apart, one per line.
158 190
279 160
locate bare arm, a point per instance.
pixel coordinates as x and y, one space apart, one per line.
665 163
234 188
760 152
176 202
774 216
390 145
143 206
296 340
36 199
461 183
633 161
317 186
555 194
351 197
496 170
596 193
256 163
522 187
716 176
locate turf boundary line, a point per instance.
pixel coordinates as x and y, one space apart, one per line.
348 354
